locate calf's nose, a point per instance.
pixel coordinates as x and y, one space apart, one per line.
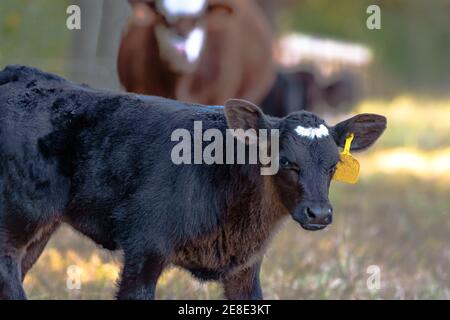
317 213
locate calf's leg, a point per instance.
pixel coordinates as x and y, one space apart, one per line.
139 277
244 285
35 248
11 253
10 276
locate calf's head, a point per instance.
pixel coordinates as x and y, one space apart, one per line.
308 154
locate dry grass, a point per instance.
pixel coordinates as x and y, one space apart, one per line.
397 217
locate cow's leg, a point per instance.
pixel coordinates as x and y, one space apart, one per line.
35 248
10 257
16 258
10 275
139 276
244 285
22 240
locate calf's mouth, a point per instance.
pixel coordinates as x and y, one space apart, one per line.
313 227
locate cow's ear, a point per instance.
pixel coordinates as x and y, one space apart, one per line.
366 127
144 12
244 115
220 7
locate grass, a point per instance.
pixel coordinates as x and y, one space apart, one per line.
413 122
396 218
34 33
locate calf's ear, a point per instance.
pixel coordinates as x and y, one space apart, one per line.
366 127
242 114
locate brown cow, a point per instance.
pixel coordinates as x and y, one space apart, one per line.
235 60
208 51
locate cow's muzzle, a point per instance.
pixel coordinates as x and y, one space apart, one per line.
313 216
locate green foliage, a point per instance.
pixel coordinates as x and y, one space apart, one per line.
34 32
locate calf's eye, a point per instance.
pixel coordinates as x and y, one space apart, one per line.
284 162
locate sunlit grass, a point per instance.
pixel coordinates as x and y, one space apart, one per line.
425 164
98 272
412 122
416 141
397 218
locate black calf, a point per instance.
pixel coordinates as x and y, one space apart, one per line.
100 161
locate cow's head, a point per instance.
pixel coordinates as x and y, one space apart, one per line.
308 155
179 27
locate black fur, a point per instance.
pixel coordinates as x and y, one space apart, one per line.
100 161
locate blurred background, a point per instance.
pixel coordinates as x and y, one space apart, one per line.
397 218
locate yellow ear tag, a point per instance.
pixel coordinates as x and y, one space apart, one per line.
347 169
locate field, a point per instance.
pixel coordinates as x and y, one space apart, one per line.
396 218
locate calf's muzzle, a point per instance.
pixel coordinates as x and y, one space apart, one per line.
314 215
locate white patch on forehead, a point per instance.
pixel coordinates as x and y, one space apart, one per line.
312 133
183 7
